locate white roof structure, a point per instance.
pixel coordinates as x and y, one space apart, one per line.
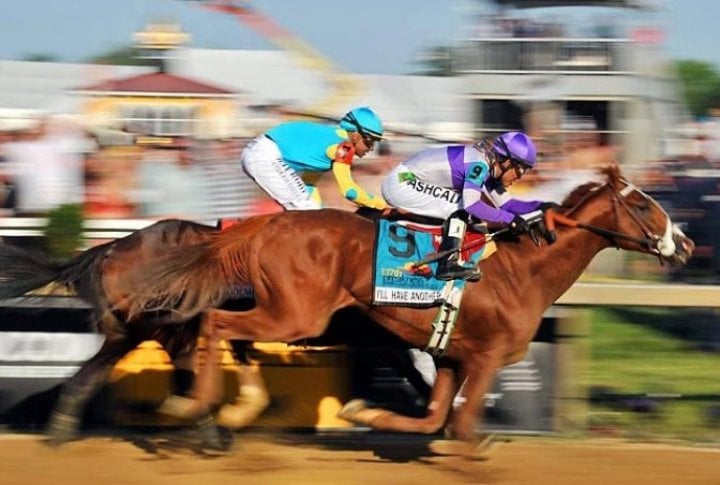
427 105
423 105
269 76
32 89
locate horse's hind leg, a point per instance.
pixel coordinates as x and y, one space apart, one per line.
180 342
65 419
178 405
441 398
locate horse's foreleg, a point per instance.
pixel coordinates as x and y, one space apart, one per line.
252 397
479 370
441 399
251 401
286 320
65 419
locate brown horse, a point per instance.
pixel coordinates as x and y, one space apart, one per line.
92 275
304 266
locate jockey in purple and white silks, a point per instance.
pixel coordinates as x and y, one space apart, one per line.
456 181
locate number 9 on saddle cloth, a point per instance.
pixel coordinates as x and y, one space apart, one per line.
397 278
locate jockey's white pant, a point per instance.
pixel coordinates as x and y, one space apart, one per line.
262 161
419 197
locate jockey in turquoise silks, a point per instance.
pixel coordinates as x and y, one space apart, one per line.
284 160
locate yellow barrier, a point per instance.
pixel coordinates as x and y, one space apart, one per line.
307 385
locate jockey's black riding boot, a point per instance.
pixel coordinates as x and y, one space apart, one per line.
450 267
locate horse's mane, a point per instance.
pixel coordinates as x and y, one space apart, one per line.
611 174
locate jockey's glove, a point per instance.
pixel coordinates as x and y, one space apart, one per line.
519 225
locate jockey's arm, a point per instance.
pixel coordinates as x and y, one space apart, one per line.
475 206
499 197
517 206
342 161
508 211
476 178
504 201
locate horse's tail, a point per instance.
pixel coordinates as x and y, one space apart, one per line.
23 270
188 280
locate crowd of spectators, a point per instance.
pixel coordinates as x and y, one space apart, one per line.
118 175
115 175
688 185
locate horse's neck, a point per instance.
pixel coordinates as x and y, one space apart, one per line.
563 262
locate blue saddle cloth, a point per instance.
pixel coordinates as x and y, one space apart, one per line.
394 280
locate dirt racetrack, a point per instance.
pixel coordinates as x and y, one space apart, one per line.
308 459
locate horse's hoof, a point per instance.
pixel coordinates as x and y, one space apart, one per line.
358 412
55 440
473 450
351 408
62 428
213 443
178 407
210 434
248 406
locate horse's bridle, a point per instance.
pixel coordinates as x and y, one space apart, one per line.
661 245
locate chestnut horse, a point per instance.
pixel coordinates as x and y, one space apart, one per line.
92 275
304 266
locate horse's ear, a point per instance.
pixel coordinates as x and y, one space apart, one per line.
611 171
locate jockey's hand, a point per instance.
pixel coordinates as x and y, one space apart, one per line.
519 226
546 206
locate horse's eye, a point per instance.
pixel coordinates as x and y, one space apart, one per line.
644 205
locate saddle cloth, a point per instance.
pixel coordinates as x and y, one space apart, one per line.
396 279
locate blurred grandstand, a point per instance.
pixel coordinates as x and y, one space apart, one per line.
574 82
689 188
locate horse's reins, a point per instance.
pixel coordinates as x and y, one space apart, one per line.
552 219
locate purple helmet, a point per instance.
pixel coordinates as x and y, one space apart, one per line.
516 146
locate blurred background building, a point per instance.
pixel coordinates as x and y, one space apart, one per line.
589 87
